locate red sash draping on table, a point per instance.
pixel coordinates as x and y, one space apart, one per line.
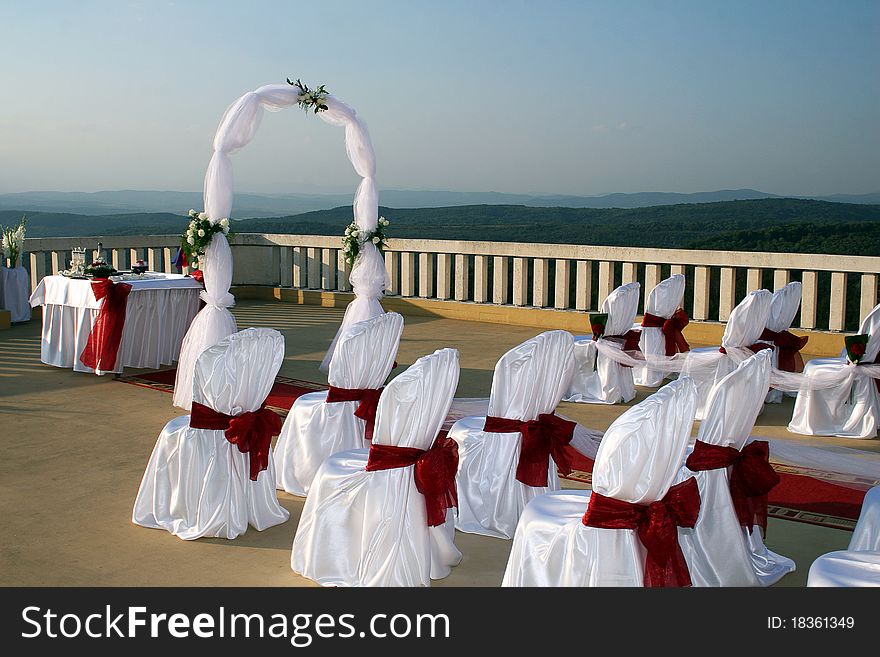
672 330
102 347
366 410
434 472
251 432
788 347
751 477
542 438
656 525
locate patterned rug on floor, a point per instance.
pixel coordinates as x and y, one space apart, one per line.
803 495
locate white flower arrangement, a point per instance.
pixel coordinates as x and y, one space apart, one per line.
355 238
13 242
199 234
314 99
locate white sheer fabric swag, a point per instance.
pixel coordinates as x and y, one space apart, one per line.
237 128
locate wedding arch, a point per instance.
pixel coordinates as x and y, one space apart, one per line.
237 128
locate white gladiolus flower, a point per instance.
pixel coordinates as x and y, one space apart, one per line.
203 216
376 240
201 233
355 233
191 240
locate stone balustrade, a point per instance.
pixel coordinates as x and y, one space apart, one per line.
837 290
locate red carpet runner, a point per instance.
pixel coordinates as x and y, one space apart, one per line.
803 496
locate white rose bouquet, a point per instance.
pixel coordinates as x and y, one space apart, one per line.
13 242
199 233
355 238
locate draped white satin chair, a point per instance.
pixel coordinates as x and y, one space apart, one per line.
528 383
315 428
197 483
663 302
596 378
637 463
859 564
851 411
744 328
718 549
783 307
370 528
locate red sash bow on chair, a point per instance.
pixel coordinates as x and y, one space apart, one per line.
542 438
434 472
103 344
630 340
366 410
751 477
788 346
656 524
754 348
672 330
251 432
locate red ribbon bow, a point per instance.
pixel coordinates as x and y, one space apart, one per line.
434 472
672 330
103 344
198 276
656 524
788 346
251 432
751 477
542 438
366 410
754 348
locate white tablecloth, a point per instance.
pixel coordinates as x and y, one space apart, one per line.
158 313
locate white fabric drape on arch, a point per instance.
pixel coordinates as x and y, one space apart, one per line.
237 128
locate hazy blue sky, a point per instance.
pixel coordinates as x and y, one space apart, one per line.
540 97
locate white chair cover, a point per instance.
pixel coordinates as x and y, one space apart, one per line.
16 291
363 528
744 327
860 564
314 429
638 460
197 483
719 552
528 380
851 411
602 380
783 307
867 533
846 568
662 301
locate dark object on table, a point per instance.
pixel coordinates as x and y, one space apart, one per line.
99 270
139 267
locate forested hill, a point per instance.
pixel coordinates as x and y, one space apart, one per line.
792 225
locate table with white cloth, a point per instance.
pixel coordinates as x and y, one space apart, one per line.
158 313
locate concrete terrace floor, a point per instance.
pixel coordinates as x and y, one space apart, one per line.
75 447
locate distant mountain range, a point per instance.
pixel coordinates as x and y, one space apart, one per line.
126 202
